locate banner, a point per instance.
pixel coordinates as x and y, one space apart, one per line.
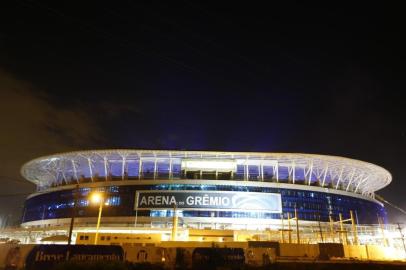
208 200
43 257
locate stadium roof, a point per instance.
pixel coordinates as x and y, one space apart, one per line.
309 169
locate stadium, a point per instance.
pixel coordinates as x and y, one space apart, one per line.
204 189
177 208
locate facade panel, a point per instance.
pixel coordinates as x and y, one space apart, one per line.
311 205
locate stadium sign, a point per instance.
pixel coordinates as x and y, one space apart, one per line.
208 200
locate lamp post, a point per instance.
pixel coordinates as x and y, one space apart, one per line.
97 198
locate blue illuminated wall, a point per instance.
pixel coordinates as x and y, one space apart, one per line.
312 206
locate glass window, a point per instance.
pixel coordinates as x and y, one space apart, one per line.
132 168
163 169
148 169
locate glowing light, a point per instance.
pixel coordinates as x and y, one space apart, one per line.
96 198
209 165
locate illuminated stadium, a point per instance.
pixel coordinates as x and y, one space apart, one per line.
222 190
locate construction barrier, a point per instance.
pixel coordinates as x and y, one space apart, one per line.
43 257
298 250
330 250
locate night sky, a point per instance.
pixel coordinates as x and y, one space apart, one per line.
191 75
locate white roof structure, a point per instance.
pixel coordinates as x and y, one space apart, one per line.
126 164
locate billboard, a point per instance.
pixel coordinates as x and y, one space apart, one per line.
208 200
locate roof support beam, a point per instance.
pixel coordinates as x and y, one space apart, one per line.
340 177
75 172
170 168
325 175
139 168
155 167
123 168
106 173
351 178
277 172
311 172
359 183
90 169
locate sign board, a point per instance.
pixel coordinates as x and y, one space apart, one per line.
44 257
208 200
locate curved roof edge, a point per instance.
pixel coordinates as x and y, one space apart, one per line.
359 175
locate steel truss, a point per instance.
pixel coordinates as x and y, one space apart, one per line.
318 170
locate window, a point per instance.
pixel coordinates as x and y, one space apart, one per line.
148 167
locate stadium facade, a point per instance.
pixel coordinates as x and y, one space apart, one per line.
206 189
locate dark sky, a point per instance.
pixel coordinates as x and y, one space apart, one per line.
197 76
